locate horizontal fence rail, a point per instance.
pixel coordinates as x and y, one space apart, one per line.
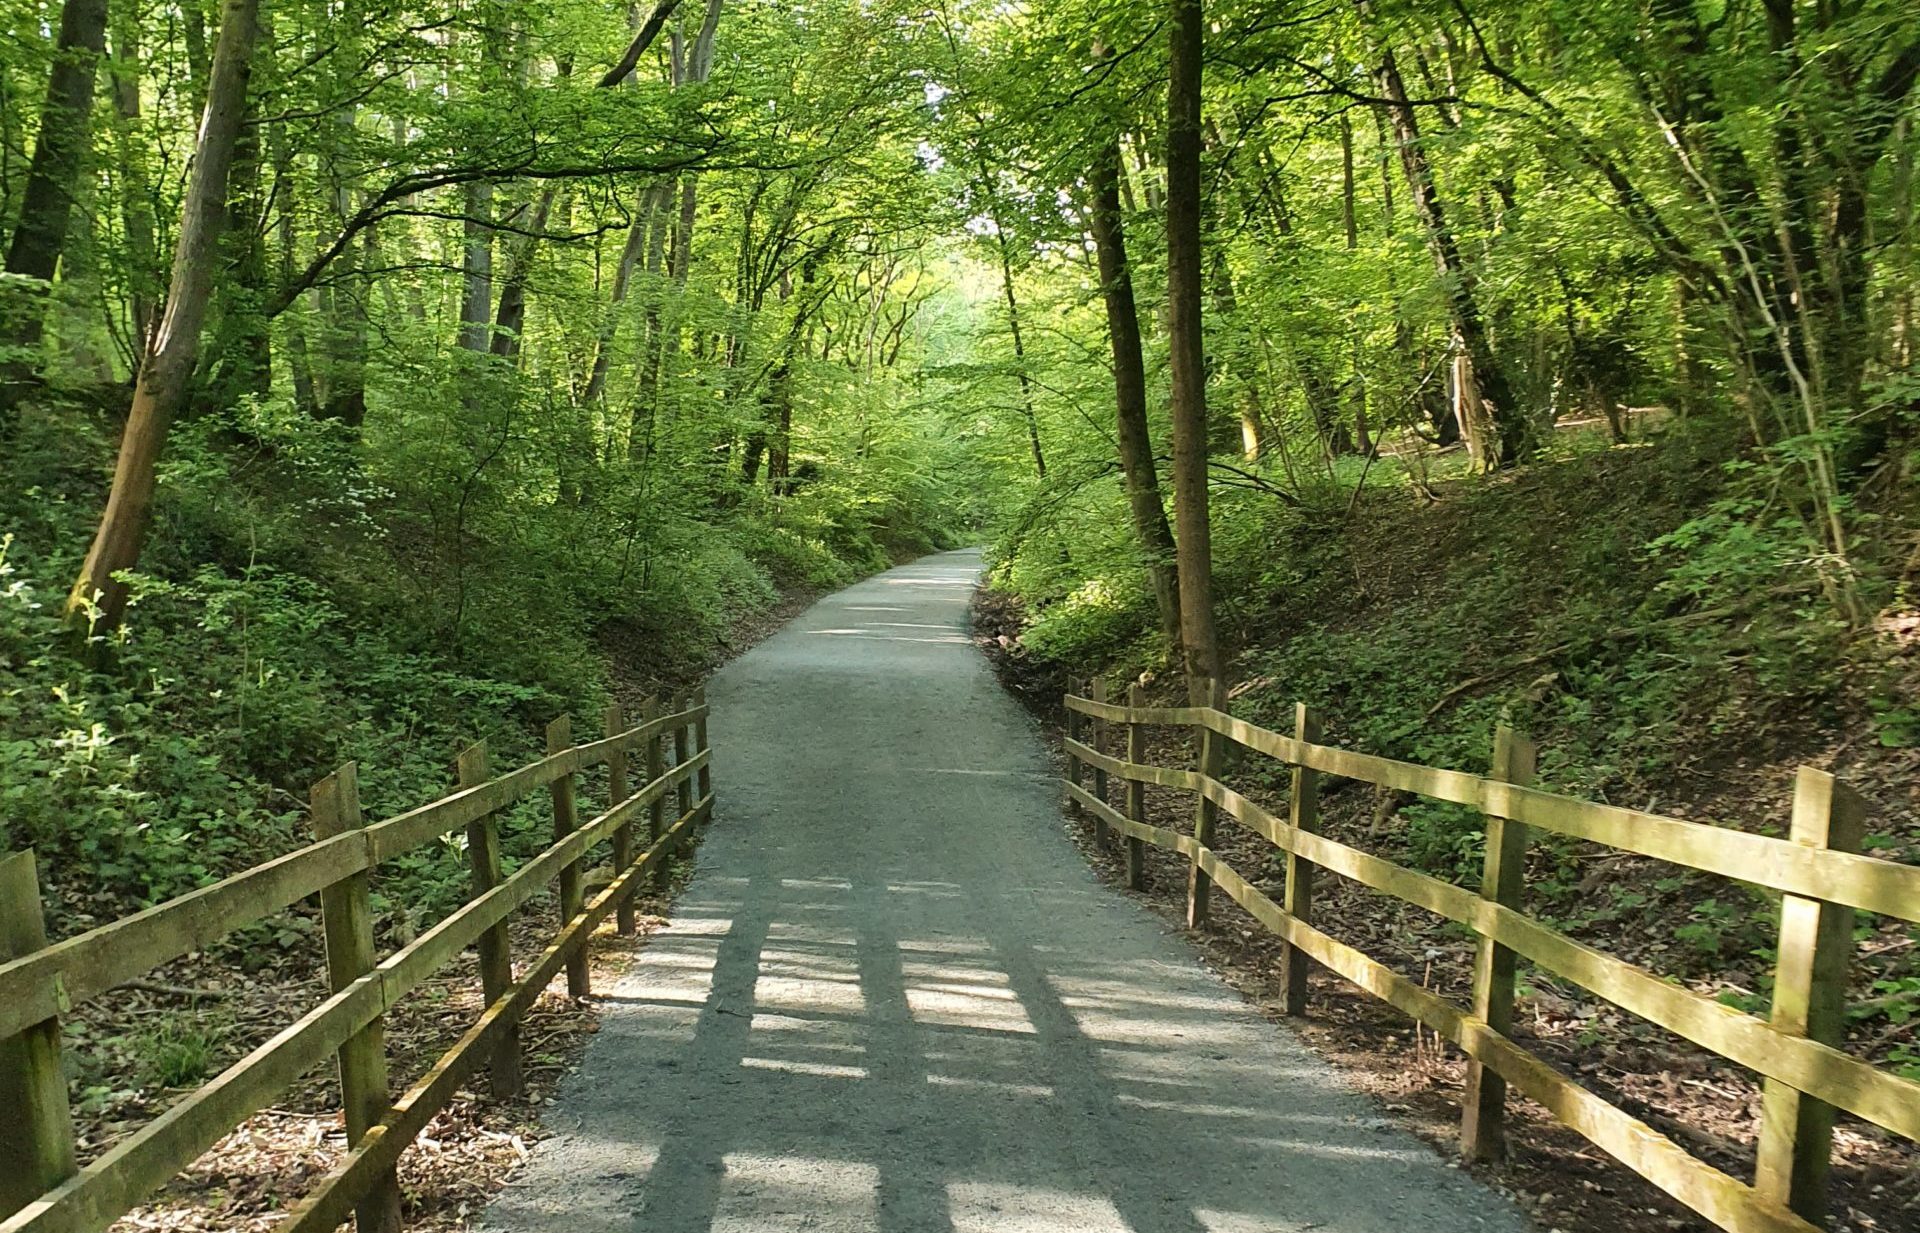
1818 870
41 1190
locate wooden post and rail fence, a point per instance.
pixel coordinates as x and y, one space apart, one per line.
1818 870
43 1190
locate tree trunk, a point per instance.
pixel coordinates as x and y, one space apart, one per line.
655 326
59 152
1512 430
1019 346
476 254
691 66
780 445
646 211
1186 279
136 203
1130 392
242 362
98 599
511 317
476 265
1346 184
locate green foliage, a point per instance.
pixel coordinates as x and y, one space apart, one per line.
178 1050
1096 621
318 603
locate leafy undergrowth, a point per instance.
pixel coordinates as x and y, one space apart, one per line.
299 609
1663 658
304 603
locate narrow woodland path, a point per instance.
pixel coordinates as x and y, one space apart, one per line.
894 998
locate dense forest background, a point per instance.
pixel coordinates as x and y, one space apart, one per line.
377 376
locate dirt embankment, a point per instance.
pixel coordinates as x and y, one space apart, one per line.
1508 598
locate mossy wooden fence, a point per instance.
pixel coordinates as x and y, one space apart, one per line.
1818 870
42 1191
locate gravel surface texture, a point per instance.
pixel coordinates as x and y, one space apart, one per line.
894 998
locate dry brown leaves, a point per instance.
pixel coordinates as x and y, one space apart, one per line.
252 1177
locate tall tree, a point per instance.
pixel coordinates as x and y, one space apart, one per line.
98 600
1130 390
1497 428
1186 289
136 202
59 152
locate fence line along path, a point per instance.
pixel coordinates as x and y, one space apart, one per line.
1818 870
42 1190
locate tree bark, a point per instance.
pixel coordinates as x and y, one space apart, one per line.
691 66
1512 431
476 266
242 359
511 316
98 599
1186 279
346 319
1019 344
645 212
59 152
136 204
1130 392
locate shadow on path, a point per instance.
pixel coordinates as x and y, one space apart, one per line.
894 999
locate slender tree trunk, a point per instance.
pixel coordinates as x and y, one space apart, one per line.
1346 184
1186 279
655 325
646 213
983 181
1235 360
476 265
1130 393
194 26
780 445
136 203
511 317
691 66
1019 348
476 254
242 359
59 152
1492 401
1349 216
166 377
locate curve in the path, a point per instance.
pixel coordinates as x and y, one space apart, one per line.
895 999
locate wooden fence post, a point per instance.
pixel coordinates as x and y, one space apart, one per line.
1483 1109
494 946
1212 754
1098 739
566 819
1074 769
701 745
682 751
656 767
36 1135
1809 997
1303 814
346 914
623 834
1136 792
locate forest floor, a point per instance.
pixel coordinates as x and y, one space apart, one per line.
199 1014
1508 595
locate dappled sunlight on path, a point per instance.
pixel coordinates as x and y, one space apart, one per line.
894 999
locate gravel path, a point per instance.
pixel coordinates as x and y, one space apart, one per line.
895 999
